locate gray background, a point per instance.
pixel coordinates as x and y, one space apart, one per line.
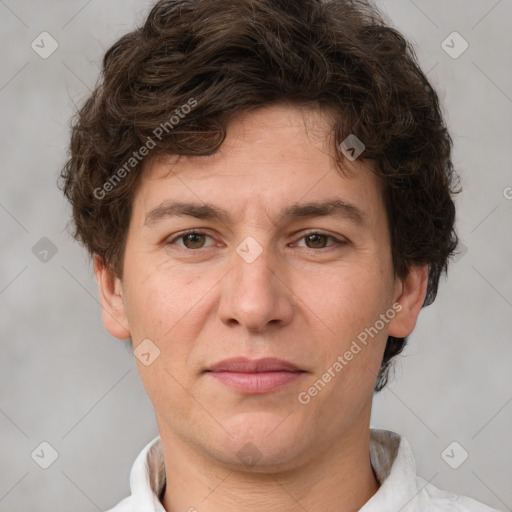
65 381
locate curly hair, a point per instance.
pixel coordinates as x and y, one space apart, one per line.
222 57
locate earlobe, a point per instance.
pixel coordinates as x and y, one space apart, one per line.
112 303
411 294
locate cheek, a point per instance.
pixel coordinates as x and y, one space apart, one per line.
162 308
167 304
346 299
346 308
154 298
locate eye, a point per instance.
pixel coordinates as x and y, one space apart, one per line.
319 240
197 240
191 240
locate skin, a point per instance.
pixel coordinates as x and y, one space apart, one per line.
303 300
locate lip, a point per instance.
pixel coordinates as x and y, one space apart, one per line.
246 365
255 376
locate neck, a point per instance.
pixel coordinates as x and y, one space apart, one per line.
340 478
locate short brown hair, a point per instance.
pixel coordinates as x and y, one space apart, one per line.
229 56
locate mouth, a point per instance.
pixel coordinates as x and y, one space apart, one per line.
256 376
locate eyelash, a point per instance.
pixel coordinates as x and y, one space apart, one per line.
196 232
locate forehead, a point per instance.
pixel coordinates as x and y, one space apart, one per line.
272 158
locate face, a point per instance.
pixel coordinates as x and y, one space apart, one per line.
271 253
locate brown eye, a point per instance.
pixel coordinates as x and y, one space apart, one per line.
189 241
316 241
193 240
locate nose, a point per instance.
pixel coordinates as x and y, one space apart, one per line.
255 294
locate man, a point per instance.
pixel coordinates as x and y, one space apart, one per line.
265 188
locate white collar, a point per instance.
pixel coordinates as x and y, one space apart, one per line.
391 458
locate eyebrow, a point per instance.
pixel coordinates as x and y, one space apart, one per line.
333 207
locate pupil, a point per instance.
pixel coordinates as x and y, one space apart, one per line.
194 238
315 239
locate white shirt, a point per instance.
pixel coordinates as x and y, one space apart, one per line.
391 458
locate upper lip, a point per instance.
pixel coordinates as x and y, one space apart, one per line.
245 365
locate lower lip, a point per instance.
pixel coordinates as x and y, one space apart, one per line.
256 382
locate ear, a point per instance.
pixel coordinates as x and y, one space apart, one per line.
112 302
410 294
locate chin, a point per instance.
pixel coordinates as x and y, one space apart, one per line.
262 442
